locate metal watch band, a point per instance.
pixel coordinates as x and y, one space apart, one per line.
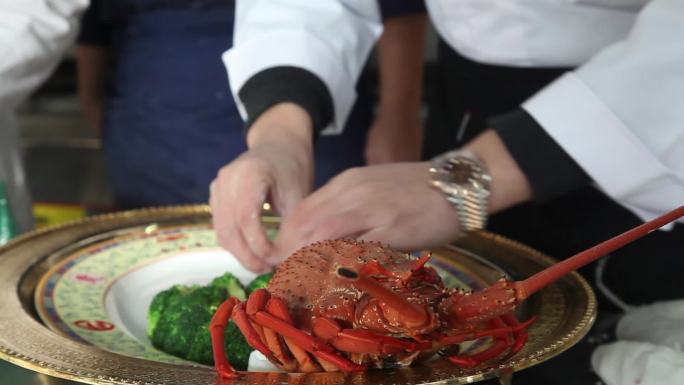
469 192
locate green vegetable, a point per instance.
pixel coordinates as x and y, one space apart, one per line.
178 321
259 282
231 284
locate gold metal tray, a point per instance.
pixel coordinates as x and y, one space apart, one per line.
566 311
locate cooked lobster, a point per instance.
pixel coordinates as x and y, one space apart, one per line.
350 305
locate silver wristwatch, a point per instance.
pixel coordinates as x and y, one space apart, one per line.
462 177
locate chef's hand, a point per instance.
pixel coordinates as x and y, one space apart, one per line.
395 204
390 203
278 168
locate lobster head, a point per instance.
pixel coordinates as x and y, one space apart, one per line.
399 303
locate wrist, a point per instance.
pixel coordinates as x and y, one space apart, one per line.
284 123
509 185
464 180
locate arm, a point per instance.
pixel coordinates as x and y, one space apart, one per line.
92 64
394 203
325 42
396 134
292 70
597 123
619 117
92 59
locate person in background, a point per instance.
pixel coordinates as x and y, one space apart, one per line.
150 77
397 133
568 111
34 34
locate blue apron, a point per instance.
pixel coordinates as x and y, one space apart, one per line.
170 121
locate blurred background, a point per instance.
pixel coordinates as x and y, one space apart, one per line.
64 162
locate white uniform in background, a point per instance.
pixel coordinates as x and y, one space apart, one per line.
649 350
620 115
33 37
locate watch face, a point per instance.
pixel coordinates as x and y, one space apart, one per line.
460 172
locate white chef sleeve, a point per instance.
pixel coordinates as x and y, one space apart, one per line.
330 39
33 36
621 115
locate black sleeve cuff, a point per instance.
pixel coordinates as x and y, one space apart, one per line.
549 169
94 30
287 84
395 8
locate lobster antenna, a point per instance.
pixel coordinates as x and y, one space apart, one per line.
547 276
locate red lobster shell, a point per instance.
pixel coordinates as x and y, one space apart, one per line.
349 305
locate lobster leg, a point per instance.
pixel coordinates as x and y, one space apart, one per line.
520 333
262 300
362 341
493 351
498 332
217 327
277 308
233 308
256 302
254 339
499 323
501 342
305 341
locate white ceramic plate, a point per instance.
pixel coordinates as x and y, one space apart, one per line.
100 295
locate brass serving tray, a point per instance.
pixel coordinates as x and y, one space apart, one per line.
566 311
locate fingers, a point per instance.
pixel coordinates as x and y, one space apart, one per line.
337 210
248 220
392 204
238 226
328 226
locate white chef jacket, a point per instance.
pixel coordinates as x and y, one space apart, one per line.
619 115
33 36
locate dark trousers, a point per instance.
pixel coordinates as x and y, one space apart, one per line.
463 96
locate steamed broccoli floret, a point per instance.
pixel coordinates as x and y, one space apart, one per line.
179 319
231 284
235 346
259 282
